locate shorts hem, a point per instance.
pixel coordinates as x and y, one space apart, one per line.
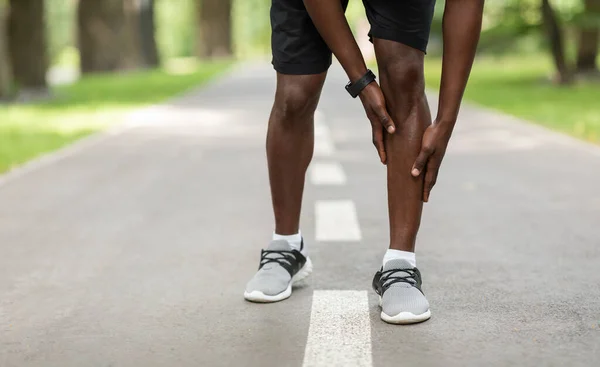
401 37
301 69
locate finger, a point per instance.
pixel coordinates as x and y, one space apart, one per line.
421 161
378 142
431 173
385 119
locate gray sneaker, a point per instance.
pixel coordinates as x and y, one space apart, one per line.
402 301
280 267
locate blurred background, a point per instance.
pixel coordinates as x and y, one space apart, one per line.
69 68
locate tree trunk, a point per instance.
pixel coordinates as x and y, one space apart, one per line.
100 25
588 51
5 69
215 28
132 52
589 37
148 34
108 35
555 38
27 43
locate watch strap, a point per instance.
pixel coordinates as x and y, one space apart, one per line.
355 88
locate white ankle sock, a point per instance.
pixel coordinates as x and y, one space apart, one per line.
295 240
397 254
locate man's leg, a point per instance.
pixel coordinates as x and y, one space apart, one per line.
301 59
402 83
290 142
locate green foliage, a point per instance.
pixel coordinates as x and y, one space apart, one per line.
251 27
587 19
516 25
86 107
60 26
355 12
519 85
176 28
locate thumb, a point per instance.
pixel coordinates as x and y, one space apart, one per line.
420 162
386 120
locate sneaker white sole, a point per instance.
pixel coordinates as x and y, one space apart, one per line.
404 318
260 297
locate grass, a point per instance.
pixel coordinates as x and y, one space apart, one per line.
88 106
520 86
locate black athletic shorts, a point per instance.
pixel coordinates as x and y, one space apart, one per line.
299 49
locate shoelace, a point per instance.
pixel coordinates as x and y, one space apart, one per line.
284 256
390 277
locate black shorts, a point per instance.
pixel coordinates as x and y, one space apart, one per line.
299 49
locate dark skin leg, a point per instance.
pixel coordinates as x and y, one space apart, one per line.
290 144
403 85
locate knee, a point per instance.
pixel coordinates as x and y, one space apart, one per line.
404 75
295 103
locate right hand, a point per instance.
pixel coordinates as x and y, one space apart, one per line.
374 104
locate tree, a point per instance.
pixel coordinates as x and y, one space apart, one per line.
27 43
588 38
5 70
109 35
215 28
131 56
149 48
100 25
555 38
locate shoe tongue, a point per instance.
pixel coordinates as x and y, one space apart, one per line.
399 264
279 245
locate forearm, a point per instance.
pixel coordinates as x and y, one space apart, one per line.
328 16
461 28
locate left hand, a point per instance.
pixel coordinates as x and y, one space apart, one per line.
433 148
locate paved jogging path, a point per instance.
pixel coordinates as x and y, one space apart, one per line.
134 249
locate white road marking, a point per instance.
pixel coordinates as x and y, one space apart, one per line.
330 173
319 118
323 143
324 148
340 330
322 131
336 221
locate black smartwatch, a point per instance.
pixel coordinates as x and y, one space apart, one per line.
355 88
